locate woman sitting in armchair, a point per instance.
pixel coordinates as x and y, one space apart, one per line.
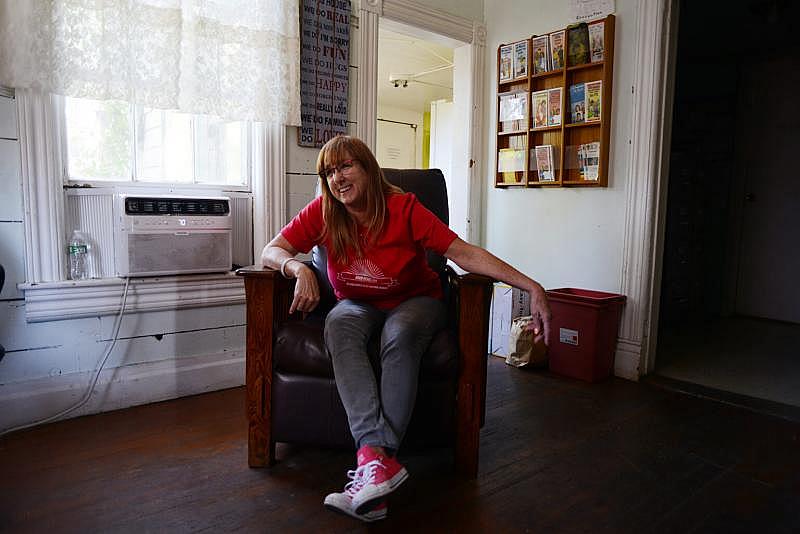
376 237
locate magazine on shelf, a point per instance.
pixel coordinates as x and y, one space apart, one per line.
594 91
513 112
577 103
541 54
520 59
590 168
506 62
544 163
539 103
511 164
578 44
571 157
557 49
554 99
511 160
596 41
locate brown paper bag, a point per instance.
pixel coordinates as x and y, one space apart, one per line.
522 351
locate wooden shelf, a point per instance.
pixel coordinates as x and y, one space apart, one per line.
592 124
515 80
583 66
547 129
515 132
585 183
548 74
566 137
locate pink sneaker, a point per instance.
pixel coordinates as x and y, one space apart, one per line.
343 502
381 476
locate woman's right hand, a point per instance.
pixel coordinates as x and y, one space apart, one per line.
306 291
280 253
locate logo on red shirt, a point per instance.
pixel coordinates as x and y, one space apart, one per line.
364 273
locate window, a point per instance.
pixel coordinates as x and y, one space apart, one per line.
118 147
117 142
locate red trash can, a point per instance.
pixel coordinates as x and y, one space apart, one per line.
583 332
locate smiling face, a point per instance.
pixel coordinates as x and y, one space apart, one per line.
347 182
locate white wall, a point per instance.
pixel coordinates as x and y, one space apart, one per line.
562 237
391 137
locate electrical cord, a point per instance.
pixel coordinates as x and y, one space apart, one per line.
90 389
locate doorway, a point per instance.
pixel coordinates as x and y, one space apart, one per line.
417 109
730 306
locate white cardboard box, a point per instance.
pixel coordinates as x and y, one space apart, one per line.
508 303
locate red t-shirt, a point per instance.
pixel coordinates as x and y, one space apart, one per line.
392 269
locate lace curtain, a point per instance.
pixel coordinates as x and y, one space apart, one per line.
236 59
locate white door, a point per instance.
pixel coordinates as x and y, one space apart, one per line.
464 196
769 254
444 145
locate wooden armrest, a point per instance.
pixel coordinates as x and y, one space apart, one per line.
267 291
471 296
267 295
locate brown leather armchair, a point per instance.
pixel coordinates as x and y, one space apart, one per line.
291 392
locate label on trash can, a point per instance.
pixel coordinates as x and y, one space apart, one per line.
565 335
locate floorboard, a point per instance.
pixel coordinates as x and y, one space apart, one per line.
557 455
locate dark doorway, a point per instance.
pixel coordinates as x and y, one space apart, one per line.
730 301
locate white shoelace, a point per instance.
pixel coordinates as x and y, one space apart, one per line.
360 477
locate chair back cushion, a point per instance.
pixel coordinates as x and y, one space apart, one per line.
429 187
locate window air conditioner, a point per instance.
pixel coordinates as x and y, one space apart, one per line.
163 235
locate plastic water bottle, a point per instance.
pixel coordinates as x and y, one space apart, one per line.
78 251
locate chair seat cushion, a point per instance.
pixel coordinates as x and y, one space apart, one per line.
300 349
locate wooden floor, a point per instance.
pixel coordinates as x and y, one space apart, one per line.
556 456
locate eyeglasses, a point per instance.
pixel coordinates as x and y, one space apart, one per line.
344 168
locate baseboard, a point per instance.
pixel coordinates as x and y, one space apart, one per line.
627 359
122 387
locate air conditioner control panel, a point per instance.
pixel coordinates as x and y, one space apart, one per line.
176 205
177 222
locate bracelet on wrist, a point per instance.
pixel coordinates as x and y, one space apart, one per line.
283 266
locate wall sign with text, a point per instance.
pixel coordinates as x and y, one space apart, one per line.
586 10
324 70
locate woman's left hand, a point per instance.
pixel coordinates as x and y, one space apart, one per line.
540 310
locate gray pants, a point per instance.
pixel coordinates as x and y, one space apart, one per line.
379 416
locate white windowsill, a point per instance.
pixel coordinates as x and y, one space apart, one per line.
51 301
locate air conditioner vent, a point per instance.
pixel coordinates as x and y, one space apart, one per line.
176 206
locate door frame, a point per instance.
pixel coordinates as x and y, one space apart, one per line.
467 32
646 189
671 16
